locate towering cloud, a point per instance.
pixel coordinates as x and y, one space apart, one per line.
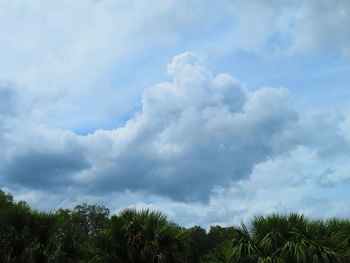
191 135
197 132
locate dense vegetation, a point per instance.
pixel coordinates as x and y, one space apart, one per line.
89 234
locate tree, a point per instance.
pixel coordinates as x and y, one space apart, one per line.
279 238
92 218
198 245
141 236
215 244
6 200
70 239
41 229
87 234
14 235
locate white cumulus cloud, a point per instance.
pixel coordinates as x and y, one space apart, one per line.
194 134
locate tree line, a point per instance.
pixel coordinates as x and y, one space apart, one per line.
88 233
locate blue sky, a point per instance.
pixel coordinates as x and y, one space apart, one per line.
210 112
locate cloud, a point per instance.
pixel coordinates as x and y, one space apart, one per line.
322 25
9 106
285 27
7 100
284 184
69 56
289 183
43 169
194 134
202 146
35 157
66 56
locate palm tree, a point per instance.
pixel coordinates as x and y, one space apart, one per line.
72 242
14 234
283 238
242 248
334 234
41 229
141 236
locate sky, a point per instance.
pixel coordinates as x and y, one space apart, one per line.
210 111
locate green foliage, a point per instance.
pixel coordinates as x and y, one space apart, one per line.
141 236
25 235
91 218
289 238
87 234
70 239
6 200
198 245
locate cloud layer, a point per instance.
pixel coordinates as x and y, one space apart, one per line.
77 124
194 134
76 53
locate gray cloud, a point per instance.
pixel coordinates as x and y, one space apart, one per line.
284 27
43 170
202 130
7 99
324 179
9 106
36 157
323 25
197 132
193 134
